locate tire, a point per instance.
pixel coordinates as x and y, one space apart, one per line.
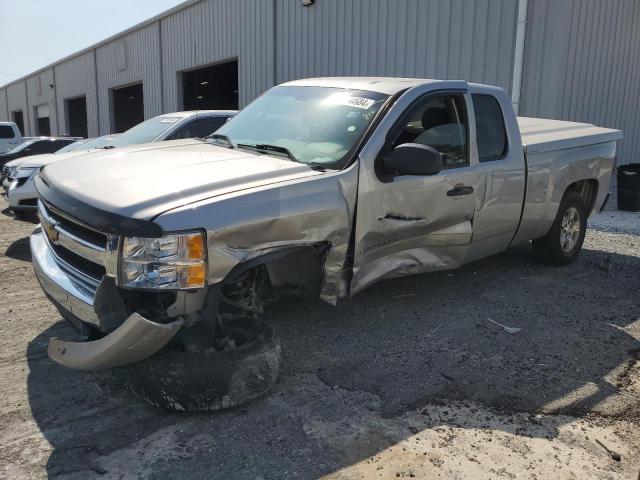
22 215
210 380
560 246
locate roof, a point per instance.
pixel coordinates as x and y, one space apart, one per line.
204 113
543 135
386 85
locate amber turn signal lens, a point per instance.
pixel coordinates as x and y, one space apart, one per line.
195 247
194 276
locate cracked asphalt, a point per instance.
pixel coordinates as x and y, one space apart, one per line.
414 378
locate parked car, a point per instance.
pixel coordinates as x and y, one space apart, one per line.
174 126
21 191
82 145
18 184
10 136
35 146
163 257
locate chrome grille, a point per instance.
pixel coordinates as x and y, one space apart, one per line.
78 249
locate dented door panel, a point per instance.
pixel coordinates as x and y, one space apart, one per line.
413 224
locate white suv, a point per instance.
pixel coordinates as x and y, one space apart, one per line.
10 136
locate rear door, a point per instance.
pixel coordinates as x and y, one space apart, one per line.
496 221
410 224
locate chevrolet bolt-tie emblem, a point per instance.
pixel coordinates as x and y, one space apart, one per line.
50 229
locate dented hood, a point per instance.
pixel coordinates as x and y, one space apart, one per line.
143 182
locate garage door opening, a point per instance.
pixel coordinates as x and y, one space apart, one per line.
18 118
211 88
128 107
43 125
77 117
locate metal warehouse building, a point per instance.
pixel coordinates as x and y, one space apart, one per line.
568 59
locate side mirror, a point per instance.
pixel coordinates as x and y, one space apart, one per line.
414 159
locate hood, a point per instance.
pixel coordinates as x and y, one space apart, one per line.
37 161
15 163
144 181
7 157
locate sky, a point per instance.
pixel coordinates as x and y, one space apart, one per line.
35 33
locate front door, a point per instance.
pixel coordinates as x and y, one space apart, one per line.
411 224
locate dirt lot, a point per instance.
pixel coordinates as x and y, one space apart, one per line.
411 379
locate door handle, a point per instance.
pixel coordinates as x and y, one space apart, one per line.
459 191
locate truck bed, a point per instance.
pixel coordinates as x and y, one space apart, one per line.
543 135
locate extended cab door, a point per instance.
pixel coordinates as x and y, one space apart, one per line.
500 158
408 224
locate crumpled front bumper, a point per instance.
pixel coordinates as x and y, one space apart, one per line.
137 338
134 340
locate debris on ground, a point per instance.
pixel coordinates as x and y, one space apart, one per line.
506 328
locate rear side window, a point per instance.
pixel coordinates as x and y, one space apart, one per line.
490 130
39 147
199 128
58 144
6 131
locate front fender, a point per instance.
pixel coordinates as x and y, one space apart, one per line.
297 214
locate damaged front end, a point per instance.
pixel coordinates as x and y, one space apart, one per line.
75 267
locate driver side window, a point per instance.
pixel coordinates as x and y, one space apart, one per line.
439 122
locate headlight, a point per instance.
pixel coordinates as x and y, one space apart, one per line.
25 172
176 261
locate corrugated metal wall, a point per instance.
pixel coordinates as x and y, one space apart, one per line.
582 57
76 78
582 63
40 92
464 39
141 64
214 31
17 100
4 114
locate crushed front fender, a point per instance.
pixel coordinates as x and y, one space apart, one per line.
137 338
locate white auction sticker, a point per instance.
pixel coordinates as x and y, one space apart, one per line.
350 101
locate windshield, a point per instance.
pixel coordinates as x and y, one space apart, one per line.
145 132
21 147
80 144
317 125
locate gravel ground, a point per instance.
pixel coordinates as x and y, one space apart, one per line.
411 379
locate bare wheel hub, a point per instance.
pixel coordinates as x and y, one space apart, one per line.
570 229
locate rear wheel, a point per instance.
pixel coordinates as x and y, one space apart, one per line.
562 245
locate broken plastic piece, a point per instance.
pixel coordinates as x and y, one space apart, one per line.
505 328
137 338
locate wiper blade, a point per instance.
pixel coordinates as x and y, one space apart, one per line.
220 136
265 148
107 147
316 166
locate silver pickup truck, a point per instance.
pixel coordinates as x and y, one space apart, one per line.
321 187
